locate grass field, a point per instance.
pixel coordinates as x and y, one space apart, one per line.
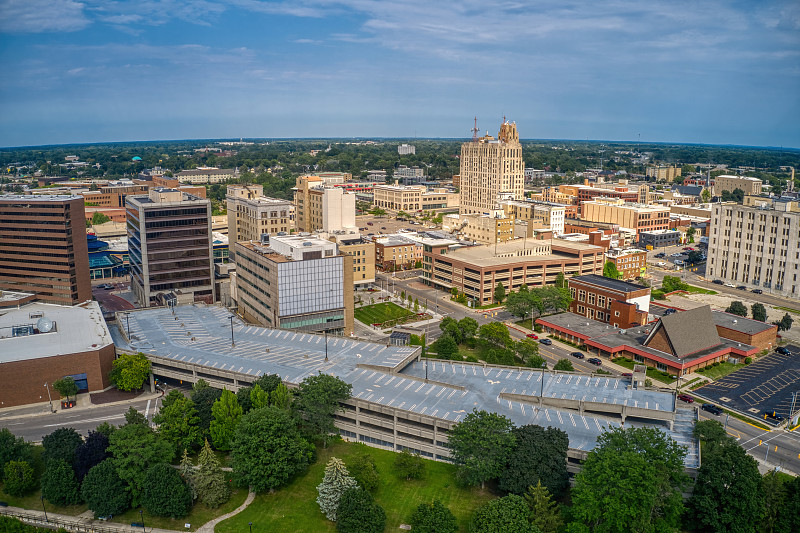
34 501
652 373
294 508
720 371
700 290
379 313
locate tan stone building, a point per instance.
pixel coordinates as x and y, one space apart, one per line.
543 214
487 229
207 175
413 198
396 252
320 206
295 282
750 186
636 217
631 262
251 214
362 252
491 170
663 173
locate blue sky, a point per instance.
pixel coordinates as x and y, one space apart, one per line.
675 71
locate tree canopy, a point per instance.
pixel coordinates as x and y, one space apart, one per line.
130 371
226 412
59 485
165 493
92 452
758 312
433 517
499 293
737 308
209 482
538 455
336 481
495 333
503 515
610 271
134 448
480 445
61 444
178 422
358 513
316 401
104 491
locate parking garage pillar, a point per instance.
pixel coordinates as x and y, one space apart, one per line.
152 382
580 407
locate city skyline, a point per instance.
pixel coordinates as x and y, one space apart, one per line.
716 73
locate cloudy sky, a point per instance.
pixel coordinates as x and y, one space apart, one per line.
705 71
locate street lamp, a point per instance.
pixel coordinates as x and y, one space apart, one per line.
45 510
544 365
49 398
141 519
232 343
251 526
128 325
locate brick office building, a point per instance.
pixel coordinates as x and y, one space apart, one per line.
41 343
618 303
43 247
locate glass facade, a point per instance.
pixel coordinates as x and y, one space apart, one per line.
311 286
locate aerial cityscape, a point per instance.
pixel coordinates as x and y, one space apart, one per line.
362 266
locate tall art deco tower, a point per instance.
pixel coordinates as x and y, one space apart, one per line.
491 170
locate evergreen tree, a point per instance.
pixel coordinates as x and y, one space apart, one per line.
759 312
227 412
209 479
337 481
187 472
365 472
545 513
737 308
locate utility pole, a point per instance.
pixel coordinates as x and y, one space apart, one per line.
49 398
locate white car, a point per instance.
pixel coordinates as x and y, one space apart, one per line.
678 262
661 263
731 285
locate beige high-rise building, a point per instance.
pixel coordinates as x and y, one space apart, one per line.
491 170
251 214
663 173
319 206
751 186
756 246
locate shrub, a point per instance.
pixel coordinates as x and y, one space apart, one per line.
748 360
19 478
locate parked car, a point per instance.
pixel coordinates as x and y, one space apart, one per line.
370 224
717 282
685 398
546 342
383 227
627 374
689 248
678 262
676 254
757 291
578 355
670 311
783 350
731 285
711 408
772 415
532 336
661 263
742 287
594 361
661 254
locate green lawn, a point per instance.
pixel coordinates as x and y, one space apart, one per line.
380 313
294 508
34 501
199 515
719 371
700 290
652 373
795 311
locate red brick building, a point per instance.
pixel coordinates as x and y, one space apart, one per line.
618 303
41 343
631 263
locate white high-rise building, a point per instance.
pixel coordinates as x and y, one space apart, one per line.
406 149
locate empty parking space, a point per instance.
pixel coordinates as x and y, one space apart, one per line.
764 386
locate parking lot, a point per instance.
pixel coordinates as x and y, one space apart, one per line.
676 257
764 386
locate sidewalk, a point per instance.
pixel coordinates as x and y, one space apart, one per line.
25 411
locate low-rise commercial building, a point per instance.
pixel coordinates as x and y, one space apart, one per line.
413 198
615 302
295 282
545 214
475 271
398 251
630 262
41 343
636 217
362 251
750 186
210 175
659 238
663 173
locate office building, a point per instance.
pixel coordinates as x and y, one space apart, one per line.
659 238
615 302
663 173
532 174
750 186
207 175
756 247
251 214
635 217
323 207
475 271
413 198
41 343
362 251
395 252
170 247
489 228
630 262
409 175
295 282
406 149
43 248
491 170
546 214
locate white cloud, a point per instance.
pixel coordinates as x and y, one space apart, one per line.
40 16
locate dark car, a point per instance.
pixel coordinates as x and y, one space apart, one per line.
772 415
717 282
757 291
711 408
546 342
685 398
627 374
742 287
661 254
578 355
670 311
783 350
594 361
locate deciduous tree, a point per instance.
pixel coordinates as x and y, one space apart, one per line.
19 478
480 446
134 417
66 387
433 517
178 422
92 452
259 398
280 397
539 455
104 491
788 519
737 308
243 397
134 448
564 364
409 465
59 485
365 471
358 513
226 412
499 293
203 401
503 515
631 481
316 401
445 347
268 449
61 444
527 349
495 333
468 327
758 312
727 494
337 481
610 270
130 371
13 449
164 492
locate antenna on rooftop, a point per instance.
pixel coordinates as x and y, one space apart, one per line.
475 130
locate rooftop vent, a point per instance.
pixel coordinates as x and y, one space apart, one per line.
307 244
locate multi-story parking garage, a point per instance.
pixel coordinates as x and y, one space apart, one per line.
397 400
